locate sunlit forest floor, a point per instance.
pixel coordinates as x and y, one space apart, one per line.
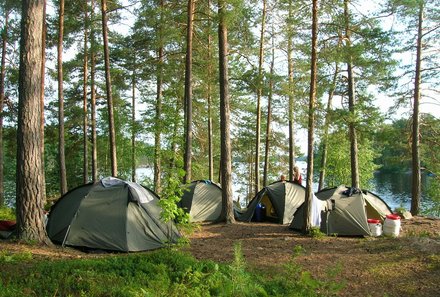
408 265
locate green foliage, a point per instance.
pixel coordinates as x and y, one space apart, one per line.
316 232
170 198
433 191
434 262
7 257
400 210
430 146
393 142
7 214
338 160
160 273
242 284
301 283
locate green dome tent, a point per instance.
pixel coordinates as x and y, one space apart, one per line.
202 199
111 214
280 200
347 211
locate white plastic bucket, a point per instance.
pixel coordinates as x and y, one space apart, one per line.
391 225
375 227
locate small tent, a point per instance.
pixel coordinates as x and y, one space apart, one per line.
202 199
111 214
279 201
348 210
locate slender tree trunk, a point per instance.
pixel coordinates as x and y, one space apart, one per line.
311 125
209 97
29 185
108 84
326 128
173 145
43 74
158 122
259 94
416 175
291 98
355 182
269 117
61 140
188 92
2 101
133 125
85 115
157 135
251 171
93 94
226 153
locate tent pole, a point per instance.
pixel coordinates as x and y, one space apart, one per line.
65 236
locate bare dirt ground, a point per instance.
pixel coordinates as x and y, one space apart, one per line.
408 265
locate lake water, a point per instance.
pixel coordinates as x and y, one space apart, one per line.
395 189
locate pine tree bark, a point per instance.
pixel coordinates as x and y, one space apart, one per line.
311 124
291 97
29 184
415 147
355 182
85 112
173 145
61 136
209 99
133 124
93 94
159 95
327 121
2 100
108 85
157 133
269 117
259 94
226 153
188 92
42 96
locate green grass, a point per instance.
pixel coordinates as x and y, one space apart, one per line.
165 272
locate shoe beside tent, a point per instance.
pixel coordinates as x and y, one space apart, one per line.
111 214
348 210
202 199
278 201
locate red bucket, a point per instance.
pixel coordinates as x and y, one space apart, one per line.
393 217
373 221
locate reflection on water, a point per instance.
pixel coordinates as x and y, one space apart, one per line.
395 189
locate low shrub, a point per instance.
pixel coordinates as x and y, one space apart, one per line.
7 214
164 272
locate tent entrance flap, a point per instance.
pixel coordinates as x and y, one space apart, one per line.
270 212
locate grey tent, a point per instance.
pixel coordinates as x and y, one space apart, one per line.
202 199
111 214
347 211
278 202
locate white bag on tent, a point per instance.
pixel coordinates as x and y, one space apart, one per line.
316 211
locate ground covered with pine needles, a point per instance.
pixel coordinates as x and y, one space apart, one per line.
408 265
